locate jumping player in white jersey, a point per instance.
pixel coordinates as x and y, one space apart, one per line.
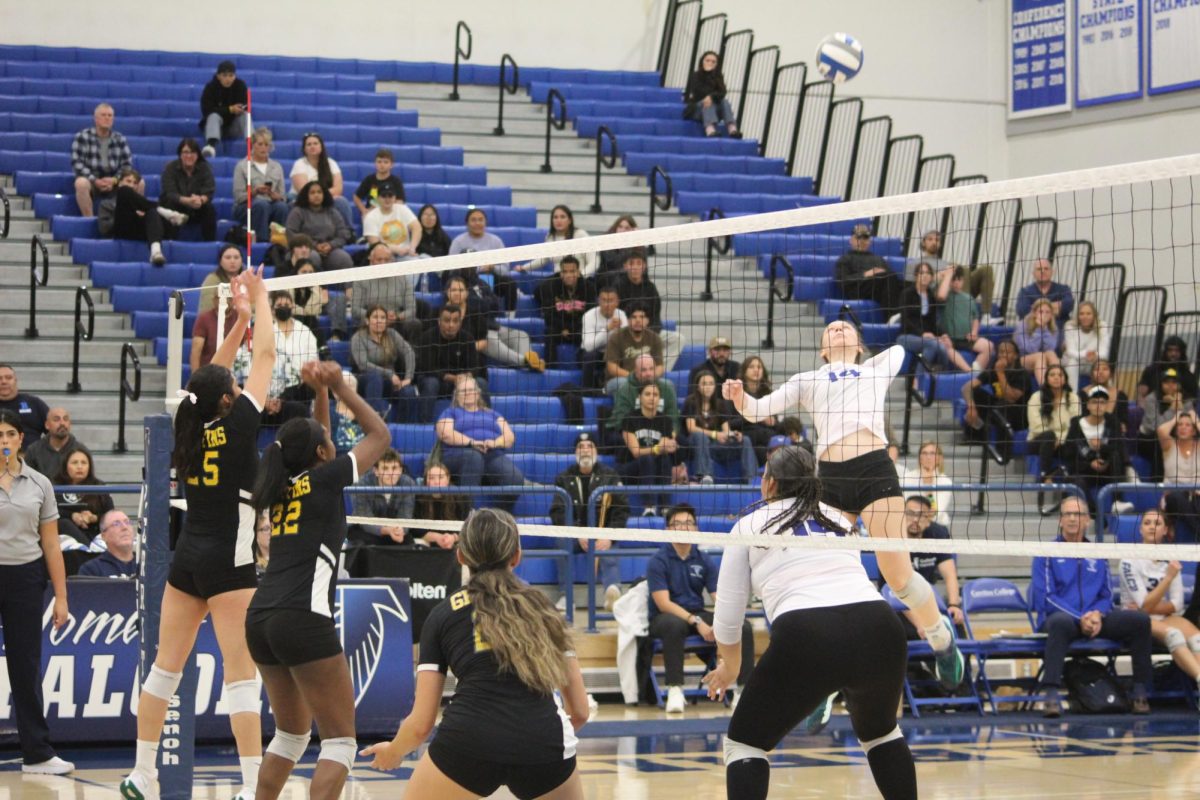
830 631
846 401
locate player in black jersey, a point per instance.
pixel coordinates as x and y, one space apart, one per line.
520 695
289 627
212 570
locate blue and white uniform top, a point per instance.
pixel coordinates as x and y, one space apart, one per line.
787 579
1140 577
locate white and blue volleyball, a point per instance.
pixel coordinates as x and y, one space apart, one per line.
839 57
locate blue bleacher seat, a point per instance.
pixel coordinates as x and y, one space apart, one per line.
525 408
541 467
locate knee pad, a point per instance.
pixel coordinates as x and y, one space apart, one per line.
341 750
736 751
244 697
1194 643
916 593
289 745
1175 639
161 684
887 737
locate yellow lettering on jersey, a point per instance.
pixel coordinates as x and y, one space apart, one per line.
214 437
480 645
300 487
460 599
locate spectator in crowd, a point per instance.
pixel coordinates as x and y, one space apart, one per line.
1086 340
98 154
299 247
474 440
919 523
612 262
437 506
1157 588
756 383
978 281
204 336
315 165
267 190
288 396
627 344
1158 407
367 193
313 301
634 287
1093 450
446 354
1118 401
127 214
1174 356
388 472
562 228
1072 598
30 409
564 299
229 265
1051 410
651 455
223 108
188 186
599 324
391 222
863 275
997 397
393 292
46 454
476 239
1062 301
709 419
79 512
313 216
677 577
1178 438
919 323
929 475
960 320
793 429
625 400
509 346
718 363
117 561
435 242
706 99
385 365
579 481
1038 339
346 431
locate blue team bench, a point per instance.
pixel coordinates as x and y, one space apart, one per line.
732 183
540 90
118 92
588 127
734 204
642 163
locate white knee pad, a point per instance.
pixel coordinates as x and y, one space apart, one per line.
244 697
887 737
1175 639
1194 643
289 745
341 750
736 751
916 592
161 684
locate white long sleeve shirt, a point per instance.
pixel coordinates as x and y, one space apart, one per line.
595 328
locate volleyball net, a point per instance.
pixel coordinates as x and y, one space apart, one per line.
1110 250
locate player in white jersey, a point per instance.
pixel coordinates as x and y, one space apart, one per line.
846 400
1156 587
830 632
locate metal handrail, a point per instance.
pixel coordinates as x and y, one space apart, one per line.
36 244
553 122
1104 499
601 161
130 392
713 247
458 51
506 88
773 291
656 203
7 213
81 332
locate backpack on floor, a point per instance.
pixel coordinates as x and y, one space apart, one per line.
1092 689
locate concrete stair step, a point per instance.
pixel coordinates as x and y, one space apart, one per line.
60 351
532 179
434 91
24 227
15 277
34 377
95 404
62 324
17 250
562 159
517 121
61 297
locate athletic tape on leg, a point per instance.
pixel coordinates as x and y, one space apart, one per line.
161 684
342 750
887 737
736 751
916 593
1175 639
289 745
244 697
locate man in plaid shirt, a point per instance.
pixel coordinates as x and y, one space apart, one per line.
97 155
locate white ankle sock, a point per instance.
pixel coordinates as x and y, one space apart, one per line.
147 758
938 636
250 765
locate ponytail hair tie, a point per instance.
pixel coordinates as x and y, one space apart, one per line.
184 394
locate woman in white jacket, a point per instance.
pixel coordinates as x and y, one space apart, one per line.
930 474
1086 339
562 228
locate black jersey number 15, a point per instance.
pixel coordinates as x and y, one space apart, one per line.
285 521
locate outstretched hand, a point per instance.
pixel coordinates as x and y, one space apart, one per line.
386 757
734 392
252 280
239 298
719 680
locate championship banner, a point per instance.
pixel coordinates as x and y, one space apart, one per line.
1108 51
1174 45
89 666
1038 58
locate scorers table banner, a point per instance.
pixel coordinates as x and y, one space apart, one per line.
89 666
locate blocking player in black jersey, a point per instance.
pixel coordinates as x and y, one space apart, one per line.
520 695
289 627
212 569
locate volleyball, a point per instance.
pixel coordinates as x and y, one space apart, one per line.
839 57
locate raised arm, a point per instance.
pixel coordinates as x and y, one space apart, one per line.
377 437
239 302
262 357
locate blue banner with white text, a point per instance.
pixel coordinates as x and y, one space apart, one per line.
1038 59
1108 51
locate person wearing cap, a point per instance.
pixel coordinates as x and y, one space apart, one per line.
393 223
719 363
1165 403
1174 356
863 275
1044 288
367 193
580 481
978 281
223 108
1092 450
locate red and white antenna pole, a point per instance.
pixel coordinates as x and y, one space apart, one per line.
249 174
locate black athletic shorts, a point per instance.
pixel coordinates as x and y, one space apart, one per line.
851 486
483 778
290 637
205 578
